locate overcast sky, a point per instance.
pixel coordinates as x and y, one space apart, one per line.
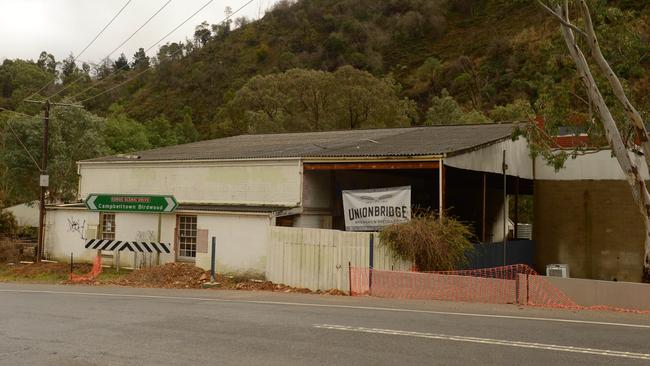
61 27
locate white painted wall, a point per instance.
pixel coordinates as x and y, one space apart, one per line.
25 214
241 238
490 158
66 230
242 242
594 166
272 182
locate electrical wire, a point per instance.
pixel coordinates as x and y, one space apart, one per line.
115 49
84 50
13 132
152 46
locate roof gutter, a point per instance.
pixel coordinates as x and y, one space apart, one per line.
329 159
184 161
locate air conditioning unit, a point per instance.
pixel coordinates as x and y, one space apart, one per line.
557 270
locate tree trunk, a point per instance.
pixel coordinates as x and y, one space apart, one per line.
630 169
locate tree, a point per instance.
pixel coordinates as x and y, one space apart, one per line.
160 132
612 126
69 69
519 110
121 64
140 60
310 100
186 132
47 62
75 134
445 109
123 134
202 34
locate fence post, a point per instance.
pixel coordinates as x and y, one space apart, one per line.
213 257
350 276
527 290
71 264
517 288
371 262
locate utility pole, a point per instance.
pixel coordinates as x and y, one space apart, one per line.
504 167
44 178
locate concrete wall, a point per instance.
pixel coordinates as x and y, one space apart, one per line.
600 165
593 226
241 238
608 293
272 182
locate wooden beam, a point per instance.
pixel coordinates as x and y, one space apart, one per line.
384 165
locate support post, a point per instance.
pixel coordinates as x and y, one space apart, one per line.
371 261
43 184
504 167
213 260
516 218
484 229
71 264
159 237
441 188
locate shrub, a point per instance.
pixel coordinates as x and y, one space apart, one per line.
433 244
8 225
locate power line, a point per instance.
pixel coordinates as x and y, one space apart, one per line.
13 132
152 46
116 48
18 113
85 48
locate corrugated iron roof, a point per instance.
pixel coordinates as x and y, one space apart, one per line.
412 141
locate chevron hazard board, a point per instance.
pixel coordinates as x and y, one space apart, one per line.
132 246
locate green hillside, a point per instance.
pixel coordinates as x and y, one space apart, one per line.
323 64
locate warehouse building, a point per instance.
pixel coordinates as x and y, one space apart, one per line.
235 189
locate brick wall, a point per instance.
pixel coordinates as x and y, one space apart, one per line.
593 226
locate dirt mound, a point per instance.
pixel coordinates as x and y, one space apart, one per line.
170 275
183 275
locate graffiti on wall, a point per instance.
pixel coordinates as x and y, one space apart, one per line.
77 225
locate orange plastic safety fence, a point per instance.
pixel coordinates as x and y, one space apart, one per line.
515 284
94 272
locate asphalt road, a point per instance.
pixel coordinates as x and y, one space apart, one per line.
74 325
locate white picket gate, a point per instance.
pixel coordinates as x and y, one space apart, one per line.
318 258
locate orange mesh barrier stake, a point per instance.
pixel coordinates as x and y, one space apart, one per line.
94 272
518 284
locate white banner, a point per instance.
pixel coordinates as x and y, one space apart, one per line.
372 209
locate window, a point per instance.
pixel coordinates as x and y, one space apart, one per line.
187 236
108 226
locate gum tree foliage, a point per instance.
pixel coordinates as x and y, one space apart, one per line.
75 134
309 100
618 120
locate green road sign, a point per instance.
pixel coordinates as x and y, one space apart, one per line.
131 203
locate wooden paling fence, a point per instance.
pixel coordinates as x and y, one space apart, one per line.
318 258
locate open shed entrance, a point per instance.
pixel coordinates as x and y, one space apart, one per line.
473 197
